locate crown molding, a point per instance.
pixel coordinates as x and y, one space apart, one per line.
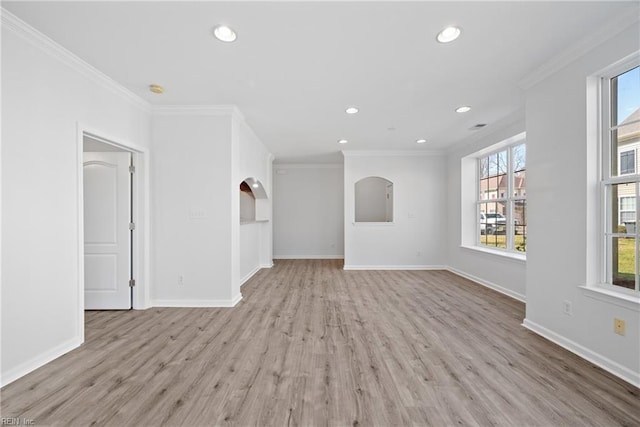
610 29
391 153
197 110
36 38
308 166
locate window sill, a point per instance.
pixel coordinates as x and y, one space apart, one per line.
511 256
612 297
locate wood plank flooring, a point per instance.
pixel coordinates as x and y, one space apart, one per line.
313 345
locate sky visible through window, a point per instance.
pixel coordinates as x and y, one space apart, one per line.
628 93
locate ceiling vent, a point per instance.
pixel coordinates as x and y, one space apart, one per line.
478 126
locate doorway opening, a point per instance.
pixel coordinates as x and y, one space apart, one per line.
111 204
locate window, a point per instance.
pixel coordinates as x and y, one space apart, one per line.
501 201
620 180
628 162
627 209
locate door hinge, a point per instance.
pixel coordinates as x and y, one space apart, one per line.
132 283
132 226
132 169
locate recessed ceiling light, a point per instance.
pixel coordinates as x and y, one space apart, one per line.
463 109
449 34
224 33
255 185
156 89
421 141
352 110
342 141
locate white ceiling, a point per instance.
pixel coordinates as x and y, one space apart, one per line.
296 66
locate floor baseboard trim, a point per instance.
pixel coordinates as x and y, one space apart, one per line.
34 363
236 299
267 265
394 267
197 303
597 359
488 284
246 278
308 257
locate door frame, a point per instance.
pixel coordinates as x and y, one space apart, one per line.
141 215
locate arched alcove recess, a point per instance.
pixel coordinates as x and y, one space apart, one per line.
253 201
374 200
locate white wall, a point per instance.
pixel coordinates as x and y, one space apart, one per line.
562 183
255 241
507 275
192 209
417 237
308 211
46 93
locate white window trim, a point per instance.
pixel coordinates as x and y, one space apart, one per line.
603 290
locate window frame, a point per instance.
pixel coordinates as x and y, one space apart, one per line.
607 181
510 200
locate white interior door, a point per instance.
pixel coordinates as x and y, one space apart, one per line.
107 238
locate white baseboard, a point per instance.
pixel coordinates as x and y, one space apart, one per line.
34 363
249 275
308 257
268 265
236 299
597 359
488 284
394 267
215 303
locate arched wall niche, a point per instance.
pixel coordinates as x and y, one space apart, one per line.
374 200
253 201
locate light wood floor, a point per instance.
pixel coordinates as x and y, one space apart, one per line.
311 344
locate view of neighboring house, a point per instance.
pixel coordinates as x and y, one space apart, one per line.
495 180
628 144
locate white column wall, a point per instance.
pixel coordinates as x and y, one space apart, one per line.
192 209
254 239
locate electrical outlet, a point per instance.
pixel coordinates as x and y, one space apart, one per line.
567 308
180 280
618 326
